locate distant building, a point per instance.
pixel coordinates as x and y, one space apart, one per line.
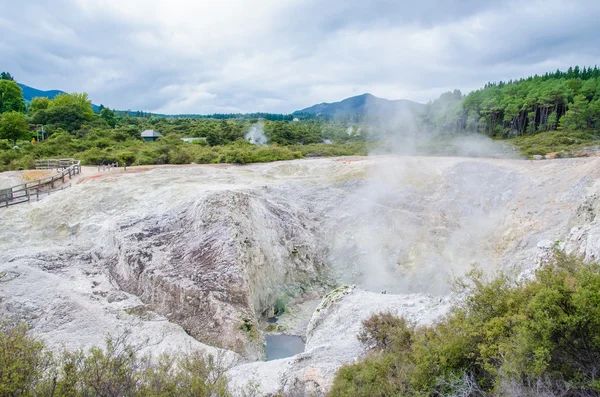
151 135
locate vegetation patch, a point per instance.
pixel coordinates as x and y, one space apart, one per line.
142 311
555 141
27 368
506 338
280 305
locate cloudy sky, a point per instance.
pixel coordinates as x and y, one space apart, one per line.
202 56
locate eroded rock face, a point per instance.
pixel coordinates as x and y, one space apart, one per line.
218 265
207 250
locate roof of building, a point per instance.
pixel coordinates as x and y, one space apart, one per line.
151 134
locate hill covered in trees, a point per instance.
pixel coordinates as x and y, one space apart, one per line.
29 93
361 107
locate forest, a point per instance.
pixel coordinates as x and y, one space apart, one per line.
557 112
540 113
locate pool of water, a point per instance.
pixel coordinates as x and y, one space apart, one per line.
281 346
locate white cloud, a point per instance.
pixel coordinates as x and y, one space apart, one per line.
272 55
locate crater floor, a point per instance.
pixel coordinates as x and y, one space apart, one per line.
199 256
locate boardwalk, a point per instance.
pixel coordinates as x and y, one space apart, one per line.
26 192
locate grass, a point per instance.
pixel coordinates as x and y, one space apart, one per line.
562 142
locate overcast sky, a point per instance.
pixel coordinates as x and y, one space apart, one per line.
226 56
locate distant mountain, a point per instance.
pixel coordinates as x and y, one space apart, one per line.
362 105
29 93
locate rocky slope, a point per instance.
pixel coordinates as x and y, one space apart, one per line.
195 257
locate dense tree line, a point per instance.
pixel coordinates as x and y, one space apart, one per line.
247 116
567 101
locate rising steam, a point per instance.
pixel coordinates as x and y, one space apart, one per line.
412 224
256 135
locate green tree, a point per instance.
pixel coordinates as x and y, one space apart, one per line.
76 100
6 76
38 103
66 111
11 97
575 117
13 126
109 116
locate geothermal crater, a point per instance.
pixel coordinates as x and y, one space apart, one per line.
199 257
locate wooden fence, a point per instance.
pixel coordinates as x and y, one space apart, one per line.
33 190
55 164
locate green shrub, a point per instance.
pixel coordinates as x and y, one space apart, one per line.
554 141
280 305
95 156
542 332
24 163
118 369
126 157
206 155
180 156
23 361
384 331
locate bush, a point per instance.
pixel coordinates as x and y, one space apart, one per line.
126 157
384 331
280 305
95 156
24 163
23 360
28 369
554 141
543 334
180 156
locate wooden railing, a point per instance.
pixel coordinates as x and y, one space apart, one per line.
33 190
57 164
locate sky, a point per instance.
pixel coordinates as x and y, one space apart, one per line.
279 56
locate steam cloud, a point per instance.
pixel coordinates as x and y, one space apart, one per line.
256 135
417 220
